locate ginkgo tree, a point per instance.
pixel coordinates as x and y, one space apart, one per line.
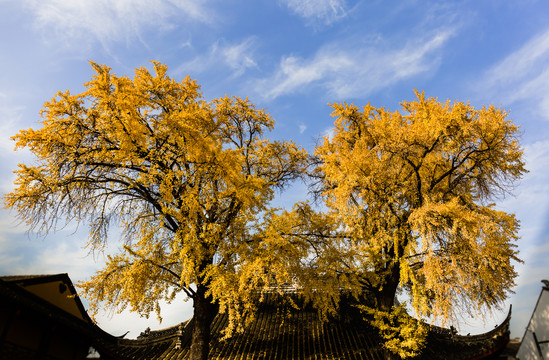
409 210
184 178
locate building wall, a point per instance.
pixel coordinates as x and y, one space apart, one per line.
539 325
58 294
22 332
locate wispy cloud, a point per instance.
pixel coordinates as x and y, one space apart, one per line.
172 314
10 120
325 11
107 21
302 127
10 115
521 80
347 71
328 133
522 75
61 252
531 208
531 199
238 57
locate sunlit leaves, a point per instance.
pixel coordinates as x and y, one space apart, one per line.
402 334
413 190
184 178
408 201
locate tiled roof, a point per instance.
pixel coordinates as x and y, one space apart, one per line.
299 334
11 278
443 344
278 332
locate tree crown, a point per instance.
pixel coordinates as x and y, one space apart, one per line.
185 178
413 189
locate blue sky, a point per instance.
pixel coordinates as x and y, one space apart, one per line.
291 57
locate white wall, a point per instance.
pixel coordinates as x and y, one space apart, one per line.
539 323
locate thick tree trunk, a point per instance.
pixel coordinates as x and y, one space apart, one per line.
386 296
204 313
386 300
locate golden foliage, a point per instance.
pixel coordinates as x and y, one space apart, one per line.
412 190
408 196
183 177
402 334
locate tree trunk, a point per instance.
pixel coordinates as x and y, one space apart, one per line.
386 296
204 313
386 300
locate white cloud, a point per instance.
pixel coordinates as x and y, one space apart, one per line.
65 256
326 11
10 121
521 80
63 252
238 57
530 205
29 253
523 61
302 127
107 20
347 71
59 253
11 257
328 133
522 75
10 115
172 314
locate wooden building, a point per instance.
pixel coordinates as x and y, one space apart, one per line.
41 317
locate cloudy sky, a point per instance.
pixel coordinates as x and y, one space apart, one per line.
291 57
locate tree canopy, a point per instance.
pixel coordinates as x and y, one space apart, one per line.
185 179
408 197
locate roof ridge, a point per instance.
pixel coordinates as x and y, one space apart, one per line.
26 277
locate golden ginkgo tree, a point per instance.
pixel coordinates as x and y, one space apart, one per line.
184 178
409 209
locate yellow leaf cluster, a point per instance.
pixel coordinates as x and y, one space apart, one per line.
412 191
407 193
402 334
185 178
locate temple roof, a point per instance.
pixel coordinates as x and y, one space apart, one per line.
21 301
283 333
278 332
56 289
